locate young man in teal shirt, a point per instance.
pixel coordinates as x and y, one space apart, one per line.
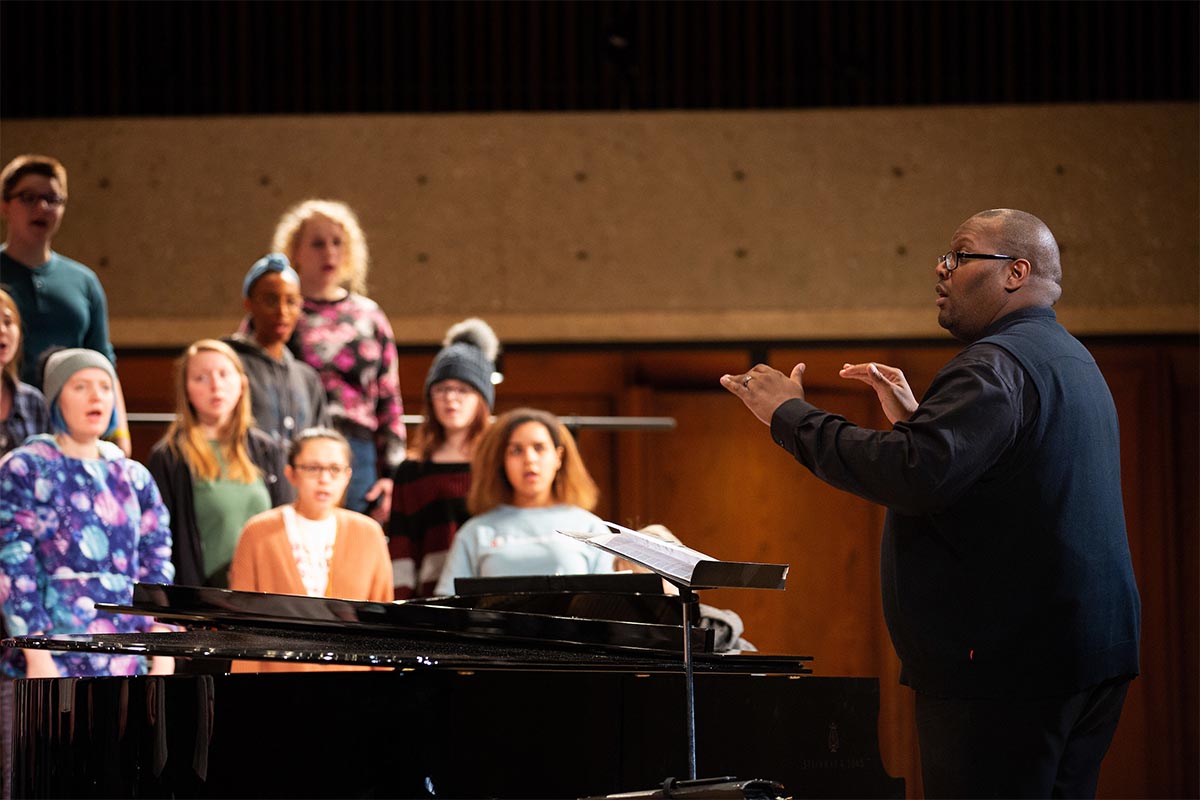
60 300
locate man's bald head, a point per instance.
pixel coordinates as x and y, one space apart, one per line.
1018 233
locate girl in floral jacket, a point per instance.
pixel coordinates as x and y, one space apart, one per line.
79 524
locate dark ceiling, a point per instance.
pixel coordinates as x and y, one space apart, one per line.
192 58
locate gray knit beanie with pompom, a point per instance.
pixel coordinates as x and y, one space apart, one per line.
469 355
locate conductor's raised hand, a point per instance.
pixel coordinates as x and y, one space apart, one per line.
890 386
764 389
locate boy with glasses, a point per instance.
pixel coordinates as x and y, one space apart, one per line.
61 301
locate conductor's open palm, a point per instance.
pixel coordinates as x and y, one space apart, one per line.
890 386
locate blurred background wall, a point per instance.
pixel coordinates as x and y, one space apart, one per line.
640 197
646 226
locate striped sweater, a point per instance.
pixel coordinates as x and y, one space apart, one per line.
429 504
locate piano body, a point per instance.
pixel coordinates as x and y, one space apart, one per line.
546 694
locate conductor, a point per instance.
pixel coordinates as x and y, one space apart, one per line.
1008 588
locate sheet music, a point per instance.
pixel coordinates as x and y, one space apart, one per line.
682 565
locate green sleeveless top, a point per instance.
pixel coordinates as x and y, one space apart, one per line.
222 508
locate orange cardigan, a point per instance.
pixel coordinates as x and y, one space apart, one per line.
360 569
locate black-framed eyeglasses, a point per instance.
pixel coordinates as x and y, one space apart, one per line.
954 259
446 390
31 199
335 470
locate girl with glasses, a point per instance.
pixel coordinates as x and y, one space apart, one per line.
429 498
313 547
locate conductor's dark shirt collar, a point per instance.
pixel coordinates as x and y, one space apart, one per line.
1032 312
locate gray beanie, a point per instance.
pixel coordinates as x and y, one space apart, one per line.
61 365
469 355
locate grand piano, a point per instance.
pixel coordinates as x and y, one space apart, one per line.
564 691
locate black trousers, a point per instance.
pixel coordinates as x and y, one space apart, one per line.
1017 747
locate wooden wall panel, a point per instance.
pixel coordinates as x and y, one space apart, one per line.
857 402
720 483
1183 475
148 381
1153 754
1134 762
723 486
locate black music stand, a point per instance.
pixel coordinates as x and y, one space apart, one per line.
687 570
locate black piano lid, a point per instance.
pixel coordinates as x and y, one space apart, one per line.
226 608
622 583
326 630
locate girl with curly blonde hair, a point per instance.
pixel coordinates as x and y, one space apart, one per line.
347 338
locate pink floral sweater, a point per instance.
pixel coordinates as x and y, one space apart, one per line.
350 343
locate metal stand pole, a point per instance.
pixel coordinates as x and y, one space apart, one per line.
689 600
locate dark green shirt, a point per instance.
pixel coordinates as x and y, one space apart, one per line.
222 508
61 303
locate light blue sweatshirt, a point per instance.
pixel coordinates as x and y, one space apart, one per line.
522 541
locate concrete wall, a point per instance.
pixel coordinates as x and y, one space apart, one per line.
638 227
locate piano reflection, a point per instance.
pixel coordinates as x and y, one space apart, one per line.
571 690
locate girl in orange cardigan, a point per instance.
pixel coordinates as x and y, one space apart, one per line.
313 547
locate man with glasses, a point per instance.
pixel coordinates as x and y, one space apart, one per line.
61 301
1008 588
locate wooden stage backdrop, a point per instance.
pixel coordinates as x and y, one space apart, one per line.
719 482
